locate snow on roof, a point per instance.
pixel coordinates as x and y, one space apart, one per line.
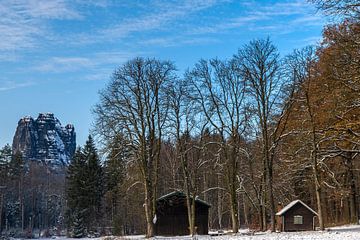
293 203
182 194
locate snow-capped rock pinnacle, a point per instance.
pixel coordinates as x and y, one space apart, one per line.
45 140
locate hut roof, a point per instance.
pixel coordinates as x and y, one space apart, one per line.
181 194
293 203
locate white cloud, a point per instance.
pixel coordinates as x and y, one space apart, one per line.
158 15
315 40
9 85
103 75
64 64
269 17
96 62
24 22
228 24
280 8
55 9
177 40
309 20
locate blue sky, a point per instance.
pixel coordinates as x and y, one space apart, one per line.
55 55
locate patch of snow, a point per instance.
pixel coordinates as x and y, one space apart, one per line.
347 232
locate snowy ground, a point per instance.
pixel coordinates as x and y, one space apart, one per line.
351 232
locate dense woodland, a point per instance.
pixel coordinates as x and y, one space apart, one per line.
247 134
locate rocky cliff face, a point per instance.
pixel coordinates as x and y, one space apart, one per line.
45 140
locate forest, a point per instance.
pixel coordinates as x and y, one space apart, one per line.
247 134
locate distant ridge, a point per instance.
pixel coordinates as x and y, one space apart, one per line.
45 140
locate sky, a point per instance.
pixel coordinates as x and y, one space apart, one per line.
56 55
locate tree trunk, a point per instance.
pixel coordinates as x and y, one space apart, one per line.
232 169
271 198
190 202
264 222
1 210
318 190
234 213
193 217
314 159
352 203
319 206
22 214
150 231
263 199
352 188
246 216
219 204
268 169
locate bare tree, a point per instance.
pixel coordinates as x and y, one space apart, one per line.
219 91
179 117
302 65
342 8
135 104
189 150
259 63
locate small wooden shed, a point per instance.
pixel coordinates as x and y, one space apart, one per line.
296 216
172 217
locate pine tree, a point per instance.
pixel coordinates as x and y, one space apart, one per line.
84 189
5 158
16 173
95 182
16 166
75 187
114 177
78 224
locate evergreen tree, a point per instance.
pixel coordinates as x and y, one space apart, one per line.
16 173
75 188
78 224
114 177
95 182
16 166
84 189
5 158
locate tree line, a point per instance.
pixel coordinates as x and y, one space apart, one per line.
248 134
31 197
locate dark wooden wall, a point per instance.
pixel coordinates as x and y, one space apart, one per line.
298 209
172 219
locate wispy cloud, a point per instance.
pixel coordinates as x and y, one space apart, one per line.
308 20
268 17
226 25
315 40
285 8
23 23
180 40
55 9
64 64
158 15
9 85
96 62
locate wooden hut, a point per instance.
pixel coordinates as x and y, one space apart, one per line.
296 216
172 218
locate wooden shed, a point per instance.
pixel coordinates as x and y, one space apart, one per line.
296 216
172 217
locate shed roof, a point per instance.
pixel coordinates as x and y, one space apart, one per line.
293 203
182 195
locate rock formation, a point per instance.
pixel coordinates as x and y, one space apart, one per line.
45 140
